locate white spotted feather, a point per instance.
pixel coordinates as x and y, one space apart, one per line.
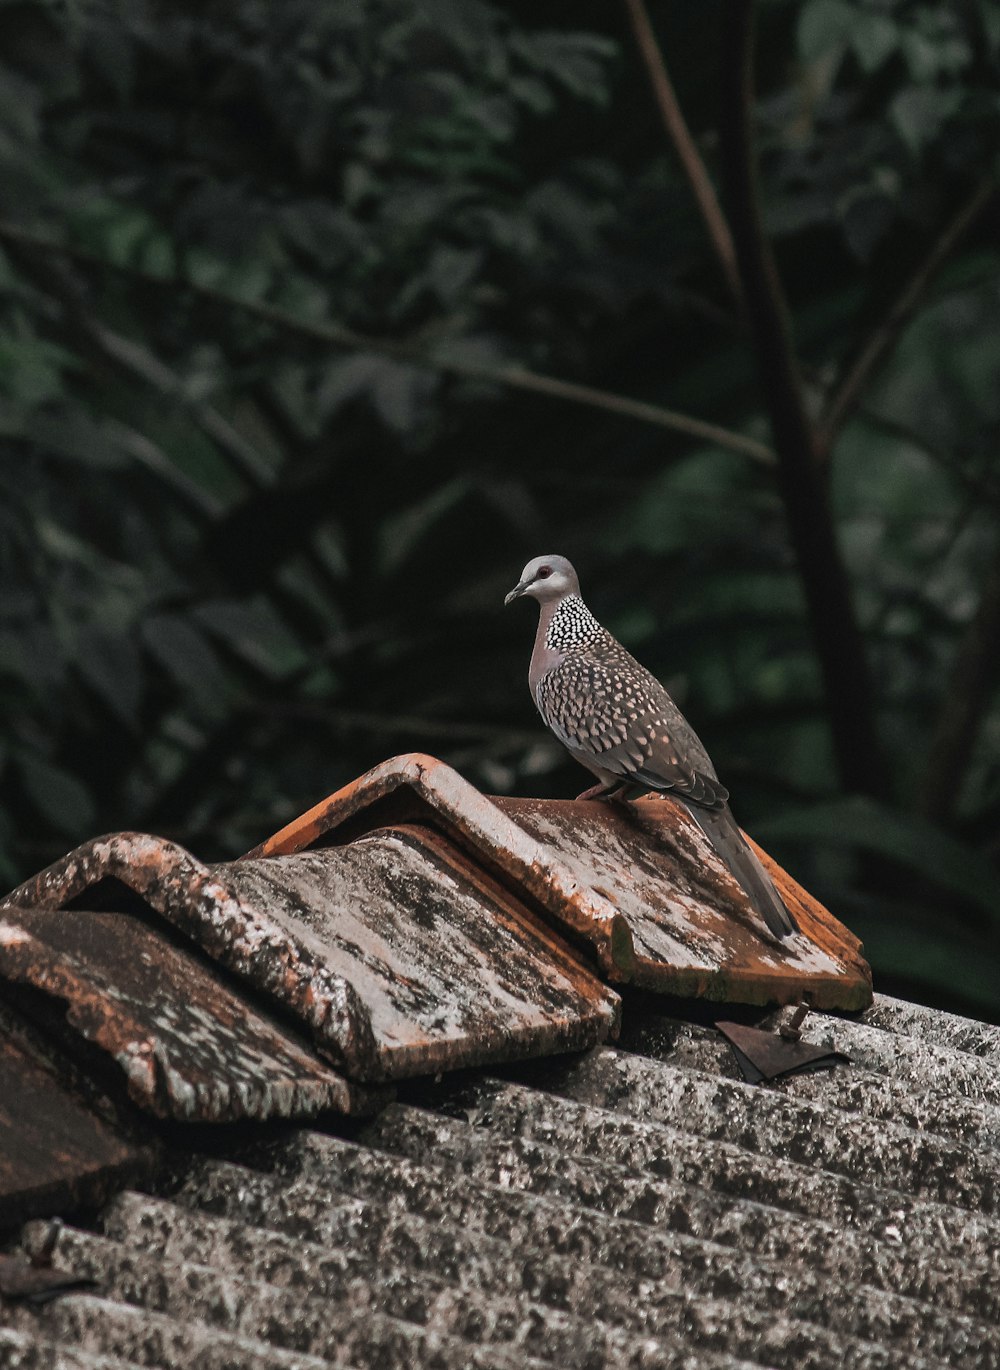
615 718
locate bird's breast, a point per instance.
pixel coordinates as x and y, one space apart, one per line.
543 660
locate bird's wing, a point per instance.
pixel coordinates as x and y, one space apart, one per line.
607 709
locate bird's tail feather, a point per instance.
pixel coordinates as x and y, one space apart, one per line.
719 826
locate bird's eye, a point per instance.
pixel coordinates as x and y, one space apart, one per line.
544 572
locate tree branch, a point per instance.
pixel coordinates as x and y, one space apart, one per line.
967 695
353 721
138 361
982 489
680 136
824 577
877 348
520 379
336 335
147 454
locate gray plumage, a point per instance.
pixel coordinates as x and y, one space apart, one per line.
615 718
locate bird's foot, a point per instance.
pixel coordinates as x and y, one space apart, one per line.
606 789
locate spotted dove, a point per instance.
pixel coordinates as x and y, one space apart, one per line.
616 718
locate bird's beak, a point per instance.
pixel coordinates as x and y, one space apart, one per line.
518 589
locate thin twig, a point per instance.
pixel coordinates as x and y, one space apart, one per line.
520 379
879 345
137 360
680 136
835 630
337 335
146 453
978 486
401 725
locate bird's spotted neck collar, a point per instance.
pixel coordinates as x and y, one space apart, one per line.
571 624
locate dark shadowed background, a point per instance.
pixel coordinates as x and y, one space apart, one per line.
285 292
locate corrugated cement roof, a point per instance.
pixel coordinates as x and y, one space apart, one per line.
638 1205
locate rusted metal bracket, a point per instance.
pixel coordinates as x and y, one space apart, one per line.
770 1055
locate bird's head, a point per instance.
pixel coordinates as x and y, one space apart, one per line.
545 579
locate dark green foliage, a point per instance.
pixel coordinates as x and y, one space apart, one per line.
240 564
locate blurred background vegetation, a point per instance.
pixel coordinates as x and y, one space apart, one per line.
317 320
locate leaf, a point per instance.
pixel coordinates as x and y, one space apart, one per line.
254 630
31 368
874 38
395 389
345 379
404 532
249 279
397 394
560 208
188 659
697 499
921 55
451 270
111 665
466 26
578 61
59 797
359 182
66 545
72 433
125 234
535 94
917 114
866 221
823 26
918 846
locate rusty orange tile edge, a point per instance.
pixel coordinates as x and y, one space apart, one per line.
465 810
814 919
850 991
150 1079
24 960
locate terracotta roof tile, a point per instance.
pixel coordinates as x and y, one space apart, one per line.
638 884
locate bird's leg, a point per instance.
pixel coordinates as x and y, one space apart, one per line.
612 790
596 791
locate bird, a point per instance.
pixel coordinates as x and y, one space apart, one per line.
615 718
